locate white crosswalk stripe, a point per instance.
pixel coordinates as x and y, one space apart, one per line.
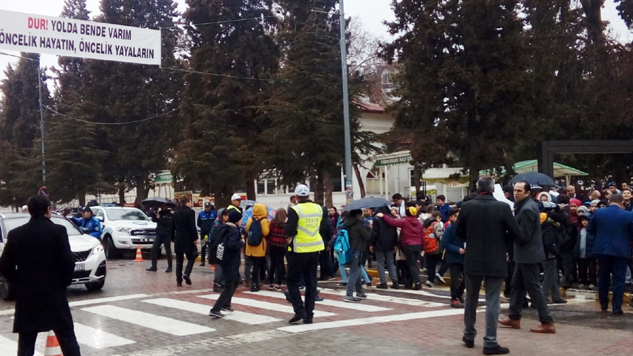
98 339
147 320
246 318
390 299
329 303
265 305
10 347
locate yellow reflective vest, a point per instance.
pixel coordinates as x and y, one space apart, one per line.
308 238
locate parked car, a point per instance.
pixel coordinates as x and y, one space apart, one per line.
90 259
124 229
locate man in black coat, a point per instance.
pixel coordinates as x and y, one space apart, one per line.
163 220
38 262
383 244
486 225
528 256
184 226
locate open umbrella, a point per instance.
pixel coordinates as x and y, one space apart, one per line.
367 202
533 178
157 202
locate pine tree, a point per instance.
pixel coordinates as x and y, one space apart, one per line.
124 94
463 80
222 150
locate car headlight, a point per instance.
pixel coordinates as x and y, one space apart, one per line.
125 230
97 249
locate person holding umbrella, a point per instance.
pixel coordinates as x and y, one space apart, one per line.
164 236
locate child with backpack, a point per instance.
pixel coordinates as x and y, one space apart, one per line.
433 231
257 229
225 250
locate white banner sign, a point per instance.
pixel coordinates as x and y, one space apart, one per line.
76 38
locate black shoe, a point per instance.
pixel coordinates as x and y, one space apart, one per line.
468 343
254 288
604 307
217 288
295 319
216 315
307 321
227 309
395 285
202 264
187 279
179 283
151 269
497 350
417 286
343 284
168 270
618 312
382 286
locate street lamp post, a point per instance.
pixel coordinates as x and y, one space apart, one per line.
349 185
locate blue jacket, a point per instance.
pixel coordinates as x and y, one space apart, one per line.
444 210
205 221
613 231
91 227
588 246
451 244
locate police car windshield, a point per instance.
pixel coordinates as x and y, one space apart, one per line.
12 223
126 214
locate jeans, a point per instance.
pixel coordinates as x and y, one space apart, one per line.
277 268
584 265
224 300
363 274
217 275
258 264
354 281
612 267
550 280
412 252
388 256
66 338
302 264
431 266
526 279
493 291
161 240
457 281
180 259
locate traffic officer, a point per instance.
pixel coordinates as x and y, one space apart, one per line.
236 201
88 223
307 222
205 223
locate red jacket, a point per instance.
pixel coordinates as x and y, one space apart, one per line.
412 231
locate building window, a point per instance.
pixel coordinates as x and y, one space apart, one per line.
260 187
270 186
337 183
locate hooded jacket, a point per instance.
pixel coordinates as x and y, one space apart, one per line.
412 231
259 213
359 234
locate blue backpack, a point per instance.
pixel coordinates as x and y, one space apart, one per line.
342 247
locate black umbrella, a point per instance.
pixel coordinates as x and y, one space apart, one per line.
367 202
157 202
534 178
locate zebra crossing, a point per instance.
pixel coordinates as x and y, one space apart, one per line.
264 310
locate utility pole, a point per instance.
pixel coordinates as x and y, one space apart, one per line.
39 87
349 185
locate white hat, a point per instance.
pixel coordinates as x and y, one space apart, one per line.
236 197
302 190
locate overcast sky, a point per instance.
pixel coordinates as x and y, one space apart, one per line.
371 12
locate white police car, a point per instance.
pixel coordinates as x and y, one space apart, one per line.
124 229
90 259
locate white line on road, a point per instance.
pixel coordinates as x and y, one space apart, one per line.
328 302
10 347
98 339
424 293
80 303
151 321
390 299
266 305
241 317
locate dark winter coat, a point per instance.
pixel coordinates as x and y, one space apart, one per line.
359 234
184 228
233 244
488 227
38 262
528 218
385 236
164 222
551 231
451 244
588 247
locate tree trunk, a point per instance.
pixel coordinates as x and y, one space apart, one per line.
81 196
251 192
122 194
318 189
140 189
328 188
222 197
361 185
473 161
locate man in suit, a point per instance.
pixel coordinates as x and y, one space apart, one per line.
528 256
613 231
487 226
184 226
38 262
